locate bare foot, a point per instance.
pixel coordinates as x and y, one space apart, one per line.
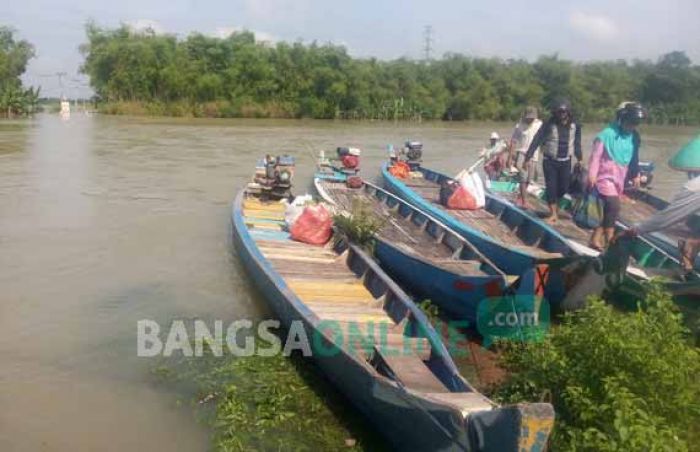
552 219
596 246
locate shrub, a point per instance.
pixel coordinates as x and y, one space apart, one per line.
618 381
360 224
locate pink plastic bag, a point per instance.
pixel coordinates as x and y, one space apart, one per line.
314 226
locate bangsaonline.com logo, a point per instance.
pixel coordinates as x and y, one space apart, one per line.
521 318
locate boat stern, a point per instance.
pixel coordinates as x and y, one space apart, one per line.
524 427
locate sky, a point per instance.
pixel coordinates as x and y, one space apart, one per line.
386 29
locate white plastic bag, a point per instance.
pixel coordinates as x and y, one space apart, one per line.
474 185
295 208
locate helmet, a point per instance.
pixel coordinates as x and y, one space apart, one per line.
631 113
561 104
495 136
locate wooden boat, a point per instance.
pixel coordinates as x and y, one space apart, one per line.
648 260
427 257
416 398
635 207
514 240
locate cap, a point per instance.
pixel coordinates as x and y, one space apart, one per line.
495 136
530 113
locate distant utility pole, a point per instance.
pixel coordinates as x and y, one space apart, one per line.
428 41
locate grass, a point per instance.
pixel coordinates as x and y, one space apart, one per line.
271 403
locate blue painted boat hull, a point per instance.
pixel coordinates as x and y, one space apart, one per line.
511 261
410 423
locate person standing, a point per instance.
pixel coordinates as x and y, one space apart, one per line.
615 154
494 156
559 139
523 135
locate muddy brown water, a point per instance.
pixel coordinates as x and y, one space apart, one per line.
108 220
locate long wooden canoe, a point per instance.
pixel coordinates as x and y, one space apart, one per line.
500 222
648 259
427 257
415 397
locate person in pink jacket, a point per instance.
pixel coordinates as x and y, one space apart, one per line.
615 153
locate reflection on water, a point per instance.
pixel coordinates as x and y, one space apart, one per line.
104 221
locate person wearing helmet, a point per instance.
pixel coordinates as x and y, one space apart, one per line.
523 134
683 212
559 139
615 154
494 156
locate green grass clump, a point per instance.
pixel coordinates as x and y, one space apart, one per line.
618 381
271 403
360 224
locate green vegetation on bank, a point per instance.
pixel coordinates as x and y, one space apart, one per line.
271 403
618 381
144 73
14 56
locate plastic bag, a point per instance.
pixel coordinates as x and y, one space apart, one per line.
579 180
588 210
474 185
400 170
293 210
314 226
462 199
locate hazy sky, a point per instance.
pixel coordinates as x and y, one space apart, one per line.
583 30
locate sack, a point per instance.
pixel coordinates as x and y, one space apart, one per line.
400 170
314 226
461 199
475 186
354 182
579 180
588 210
350 161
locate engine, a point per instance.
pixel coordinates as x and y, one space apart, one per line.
413 150
273 178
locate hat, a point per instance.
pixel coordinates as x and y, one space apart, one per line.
688 158
495 136
530 113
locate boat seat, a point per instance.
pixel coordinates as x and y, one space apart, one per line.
465 402
332 289
410 370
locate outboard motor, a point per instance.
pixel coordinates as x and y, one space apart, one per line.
349 159
414 154
274 179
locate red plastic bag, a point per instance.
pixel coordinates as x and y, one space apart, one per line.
350 161
313 226
461 199
400 170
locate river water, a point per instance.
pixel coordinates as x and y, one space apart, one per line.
108 220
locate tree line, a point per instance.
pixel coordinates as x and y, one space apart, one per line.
237 76
14 56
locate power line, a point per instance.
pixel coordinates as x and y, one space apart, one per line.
428 42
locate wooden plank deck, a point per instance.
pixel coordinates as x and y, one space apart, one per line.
403 233
481 220
321 280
